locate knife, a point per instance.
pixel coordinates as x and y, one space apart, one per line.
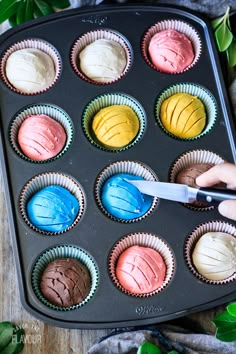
182 192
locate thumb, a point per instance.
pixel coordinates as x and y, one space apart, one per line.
227 208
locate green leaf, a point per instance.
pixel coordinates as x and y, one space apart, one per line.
148 348
173 352
227 334
28 10
224 319
231 57
231 308
20 15
16 344
6 331
7 9
44 7
223 37
12 20
215 23
59 4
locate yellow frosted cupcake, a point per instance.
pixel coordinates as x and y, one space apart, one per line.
183 115
115 126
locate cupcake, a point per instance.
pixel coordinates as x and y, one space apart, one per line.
123 200
102 60
52 209
65 277
52 203
65 282
171 46
186 111
41 133
40 137
170 51
183 115
119 199
187 167
214 255
140 270
115 126
101 56
141 264
210 252
114 122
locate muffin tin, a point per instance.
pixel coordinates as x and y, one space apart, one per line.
95 234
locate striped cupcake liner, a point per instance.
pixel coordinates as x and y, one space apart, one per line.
53 112
134 168
145 240
64 251
107 100
46 179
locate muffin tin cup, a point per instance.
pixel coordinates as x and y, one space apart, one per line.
135 168
201 93
46 179
89 38
36 44
145 240
64 251
178 26
53 112
188 159
212 226
104 101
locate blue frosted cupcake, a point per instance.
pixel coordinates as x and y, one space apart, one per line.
123 200
52 209
119 199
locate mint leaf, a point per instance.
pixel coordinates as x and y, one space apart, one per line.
224 319
7 9
44 7
231 308
173 352
215 23
16 344
148 348
59 4
223 36
12 20
6 332
231 57
28 10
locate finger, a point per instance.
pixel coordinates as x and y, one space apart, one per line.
225 172
227 208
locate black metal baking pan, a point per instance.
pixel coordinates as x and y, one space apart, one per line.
96 233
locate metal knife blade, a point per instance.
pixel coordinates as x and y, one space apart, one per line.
171 191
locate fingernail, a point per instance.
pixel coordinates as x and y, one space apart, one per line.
223 208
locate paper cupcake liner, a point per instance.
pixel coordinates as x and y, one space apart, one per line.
146 240
89 38
188 159
46 179
200 92
64 251
36 44
135 168
53 112
212 226
179 26
108 100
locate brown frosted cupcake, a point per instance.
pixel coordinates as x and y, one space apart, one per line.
119 199
52 203
210 252
171 46
101 56
30 67
65 277
141 264
188 167
41 133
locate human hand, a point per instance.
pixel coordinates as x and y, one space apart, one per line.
225 172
